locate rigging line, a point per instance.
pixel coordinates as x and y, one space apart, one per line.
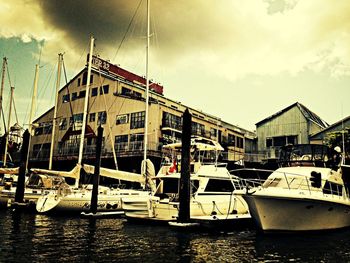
42 93
3 119
8 74
67 87
14 107
127 30
109 123
82 53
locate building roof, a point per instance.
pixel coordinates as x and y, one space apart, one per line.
308 114
331 127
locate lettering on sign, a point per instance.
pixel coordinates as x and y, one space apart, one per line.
100 64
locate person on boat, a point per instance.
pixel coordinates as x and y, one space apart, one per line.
336 158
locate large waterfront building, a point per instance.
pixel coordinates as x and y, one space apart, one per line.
117 102
292 125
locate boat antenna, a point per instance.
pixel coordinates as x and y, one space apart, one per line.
145 141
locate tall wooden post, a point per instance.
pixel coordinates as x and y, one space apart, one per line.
96 178
22 168
184 195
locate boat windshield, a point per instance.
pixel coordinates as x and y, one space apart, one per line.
170 187
308 155
287 182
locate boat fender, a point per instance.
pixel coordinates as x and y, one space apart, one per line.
108 206
115 206
234 212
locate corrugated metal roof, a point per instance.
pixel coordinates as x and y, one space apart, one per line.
308 114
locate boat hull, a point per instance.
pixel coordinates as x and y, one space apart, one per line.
153 208
78 201
31 196
272 213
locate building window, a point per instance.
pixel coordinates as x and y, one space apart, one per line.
137 120
279 141
94 92
92 117
138 95
44 128
239 142
172 121
82 94
76 120
85 78
231 140
213 132
79 82
198 129
122 119
126 91
104 89
293 139
136 141
268 142
74 96
65 98
38 131
102 118
121 139
63 124
121 143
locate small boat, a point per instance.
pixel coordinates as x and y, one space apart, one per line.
310 193
77 200
37 184
212 188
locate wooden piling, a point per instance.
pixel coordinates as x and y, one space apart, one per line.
96 178
22 169
184 194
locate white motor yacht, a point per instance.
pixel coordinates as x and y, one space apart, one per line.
310 193
212 188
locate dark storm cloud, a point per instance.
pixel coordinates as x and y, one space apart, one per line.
180 25
106 20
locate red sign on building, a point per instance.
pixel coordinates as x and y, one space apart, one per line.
115 70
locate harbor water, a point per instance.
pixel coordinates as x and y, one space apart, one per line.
44 238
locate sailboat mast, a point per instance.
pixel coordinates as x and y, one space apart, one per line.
145 139
81 146
2 84
60 58
8 127
32 107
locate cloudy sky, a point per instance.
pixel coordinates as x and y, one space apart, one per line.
239 60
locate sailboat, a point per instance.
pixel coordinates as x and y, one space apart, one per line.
38 181
78 199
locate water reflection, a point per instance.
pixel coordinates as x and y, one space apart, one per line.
306 247
41 238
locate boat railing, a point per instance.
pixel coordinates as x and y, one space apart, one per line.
292 181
